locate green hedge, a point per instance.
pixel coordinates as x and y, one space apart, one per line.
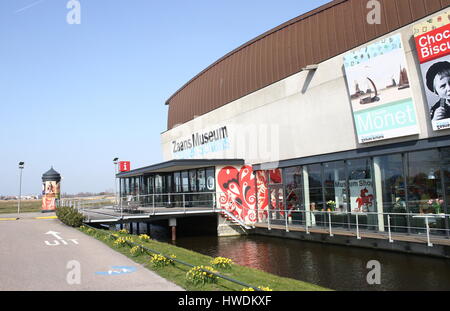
70 216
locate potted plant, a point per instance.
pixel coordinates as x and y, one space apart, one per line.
399 206
436 205
331 205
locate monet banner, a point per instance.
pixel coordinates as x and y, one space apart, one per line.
378 84
433 48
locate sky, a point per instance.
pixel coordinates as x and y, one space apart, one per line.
75 96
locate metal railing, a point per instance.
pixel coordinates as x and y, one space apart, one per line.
390 224
188 199
142 205
236 219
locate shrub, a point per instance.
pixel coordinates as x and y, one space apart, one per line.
136 250
70 216
198 275
221 262
160 261
120 242
144 237
250 289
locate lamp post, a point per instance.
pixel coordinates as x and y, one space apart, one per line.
116 162
21 166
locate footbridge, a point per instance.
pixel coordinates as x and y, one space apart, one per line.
139 209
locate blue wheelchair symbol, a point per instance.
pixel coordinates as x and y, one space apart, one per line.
117 270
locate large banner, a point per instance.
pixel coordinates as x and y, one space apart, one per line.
378 84
433 48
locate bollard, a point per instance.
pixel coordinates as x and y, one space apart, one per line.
428 232
329 223
153 203
306 220
357 228
286 216
389 229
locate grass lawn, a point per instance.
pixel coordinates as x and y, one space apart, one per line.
26 206
176 272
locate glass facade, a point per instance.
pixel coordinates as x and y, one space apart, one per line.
394 190
380 193
175 189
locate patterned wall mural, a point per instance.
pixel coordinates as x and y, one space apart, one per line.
237 192
262 194
246 194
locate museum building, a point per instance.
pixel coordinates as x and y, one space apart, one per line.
328 112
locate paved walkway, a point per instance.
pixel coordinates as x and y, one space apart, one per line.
42 254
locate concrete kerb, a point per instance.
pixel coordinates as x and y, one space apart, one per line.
151 251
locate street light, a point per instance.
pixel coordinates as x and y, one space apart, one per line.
116 161
21 166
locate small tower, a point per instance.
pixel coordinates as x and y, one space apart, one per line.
51 192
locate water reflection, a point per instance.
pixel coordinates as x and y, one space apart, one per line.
335 267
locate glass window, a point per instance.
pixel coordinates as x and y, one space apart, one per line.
424 181
136 185
150 187
361 185
168 183
132 186
201 179
275 176
144 186
445 156
193 180
389 170
335 186
158 184
392 183
177 181
185 181
210 179
294 187
315 187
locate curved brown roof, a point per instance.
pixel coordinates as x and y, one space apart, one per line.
311 38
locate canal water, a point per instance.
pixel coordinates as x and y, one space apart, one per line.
331 266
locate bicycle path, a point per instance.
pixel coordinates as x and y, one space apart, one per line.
45 255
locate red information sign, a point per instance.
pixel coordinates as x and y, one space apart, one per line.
433 44
124 166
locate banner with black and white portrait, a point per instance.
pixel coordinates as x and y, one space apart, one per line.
433 48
